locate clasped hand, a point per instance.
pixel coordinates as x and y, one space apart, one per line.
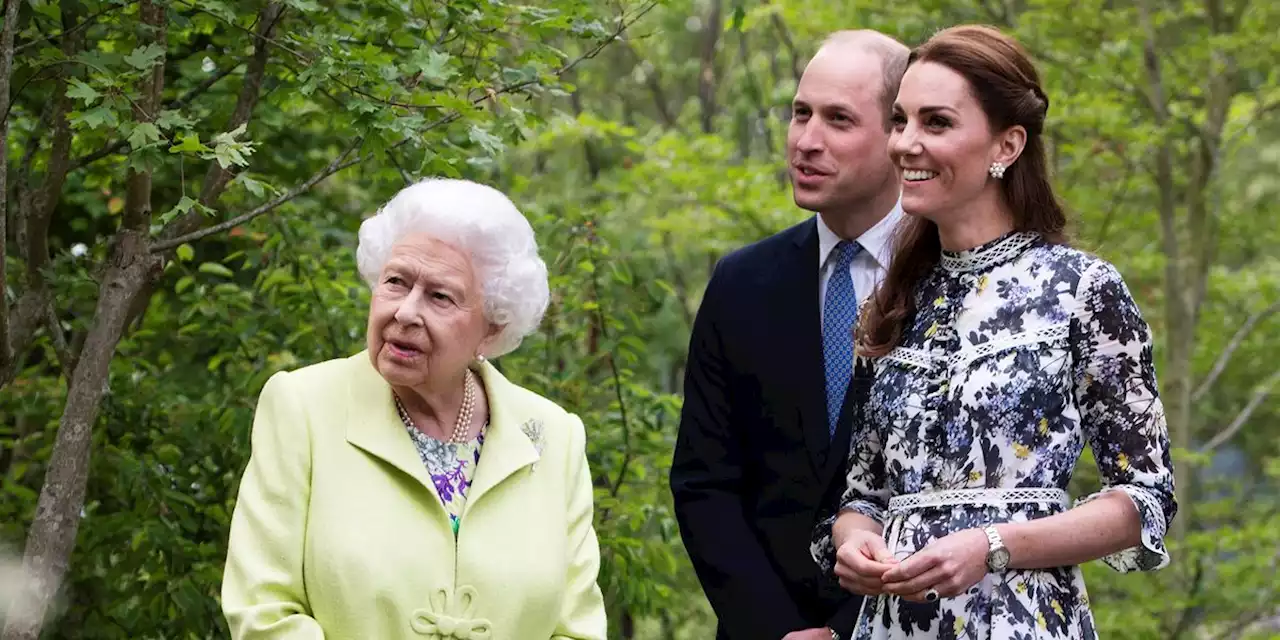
950 565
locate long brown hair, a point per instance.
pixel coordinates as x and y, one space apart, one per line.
1006 84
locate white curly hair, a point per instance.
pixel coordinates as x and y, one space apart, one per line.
482 222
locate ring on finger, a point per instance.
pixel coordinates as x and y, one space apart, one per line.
931 595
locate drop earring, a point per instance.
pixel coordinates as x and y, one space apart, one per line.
996 170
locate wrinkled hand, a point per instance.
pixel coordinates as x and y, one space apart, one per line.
950 565
820 633
861 561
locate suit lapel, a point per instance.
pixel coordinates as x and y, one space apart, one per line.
802 334
514 437
376 428
511 439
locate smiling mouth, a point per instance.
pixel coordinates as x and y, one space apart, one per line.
808 171
918 175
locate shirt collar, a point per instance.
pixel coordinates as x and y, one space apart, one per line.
876 241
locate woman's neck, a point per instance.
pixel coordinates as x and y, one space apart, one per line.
975 225
434 408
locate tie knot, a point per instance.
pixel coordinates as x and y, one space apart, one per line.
845 253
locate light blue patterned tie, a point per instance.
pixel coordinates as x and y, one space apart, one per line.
839 311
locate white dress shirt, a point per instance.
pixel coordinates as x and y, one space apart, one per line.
868 267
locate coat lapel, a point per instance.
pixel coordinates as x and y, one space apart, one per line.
377 430
802 337
514 437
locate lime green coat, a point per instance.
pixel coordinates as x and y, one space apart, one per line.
338 531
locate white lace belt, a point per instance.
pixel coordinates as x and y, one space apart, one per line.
982 497
900 505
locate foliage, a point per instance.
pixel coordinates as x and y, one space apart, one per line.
639 167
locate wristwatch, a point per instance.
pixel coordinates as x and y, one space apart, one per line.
997 553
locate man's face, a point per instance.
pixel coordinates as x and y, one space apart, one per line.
836 143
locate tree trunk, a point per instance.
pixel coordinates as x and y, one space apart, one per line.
1177 383
53 532
707 73
130 266
6 66
627 626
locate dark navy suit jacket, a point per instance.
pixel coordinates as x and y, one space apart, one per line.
754 467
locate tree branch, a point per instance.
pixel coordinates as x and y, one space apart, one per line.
1236 340
1259 395
404 175
677 277
83 24
653 81
120 145
24 184
1116 198
24 319
785 35
1164 158
171 242
45 201
52 535
335 166
137 201
216 179
6 69
66 357
623 24
707 66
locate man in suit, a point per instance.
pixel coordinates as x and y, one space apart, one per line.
762 446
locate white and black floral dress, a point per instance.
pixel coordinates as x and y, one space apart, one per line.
1020 353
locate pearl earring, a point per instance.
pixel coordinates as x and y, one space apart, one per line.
996 170
480 358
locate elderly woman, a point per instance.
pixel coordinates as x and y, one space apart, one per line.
410 490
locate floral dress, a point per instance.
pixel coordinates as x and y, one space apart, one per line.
1021 352
452 467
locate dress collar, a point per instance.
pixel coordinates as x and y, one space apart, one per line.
989 254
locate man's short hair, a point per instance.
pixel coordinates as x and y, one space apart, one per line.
893 61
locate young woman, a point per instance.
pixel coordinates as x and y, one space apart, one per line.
991 355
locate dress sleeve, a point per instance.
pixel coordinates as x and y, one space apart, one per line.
582 612
263 595
1121 412
866 487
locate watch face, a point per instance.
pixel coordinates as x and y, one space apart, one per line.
999 558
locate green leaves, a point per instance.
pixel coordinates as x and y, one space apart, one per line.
215 269
143 58
303 5
83 92
434 67
189 144
490 143
143 134
229 151
95 118
169 119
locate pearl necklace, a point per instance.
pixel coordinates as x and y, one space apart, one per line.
463 425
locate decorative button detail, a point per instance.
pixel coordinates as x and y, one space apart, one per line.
449 619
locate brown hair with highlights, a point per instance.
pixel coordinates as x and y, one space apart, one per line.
1005 83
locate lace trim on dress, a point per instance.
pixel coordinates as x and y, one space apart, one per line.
1050 333
924 360
988 255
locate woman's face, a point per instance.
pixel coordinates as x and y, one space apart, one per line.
426 318
943 143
